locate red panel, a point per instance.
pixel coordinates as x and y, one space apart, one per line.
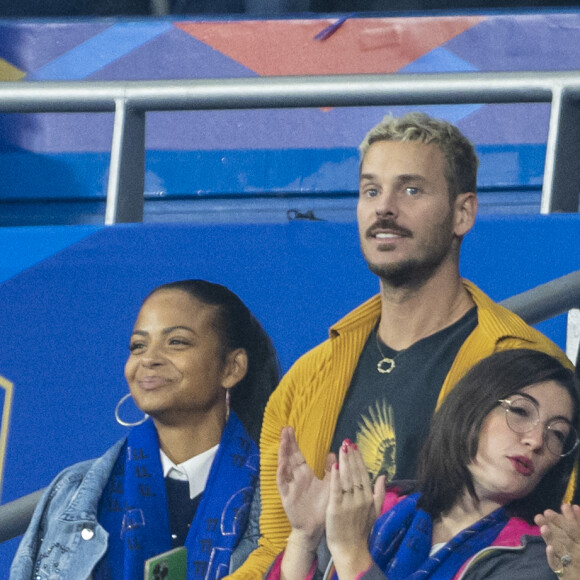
360 45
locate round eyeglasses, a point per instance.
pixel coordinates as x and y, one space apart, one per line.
522 415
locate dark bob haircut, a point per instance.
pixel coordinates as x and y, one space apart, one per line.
443 474
238 328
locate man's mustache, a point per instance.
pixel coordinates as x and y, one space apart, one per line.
390 225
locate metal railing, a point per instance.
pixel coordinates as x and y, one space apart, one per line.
16 515
535 305
547 300
130 100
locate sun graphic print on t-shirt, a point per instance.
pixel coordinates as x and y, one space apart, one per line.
377 441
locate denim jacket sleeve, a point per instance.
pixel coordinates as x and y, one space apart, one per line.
249 541
64 540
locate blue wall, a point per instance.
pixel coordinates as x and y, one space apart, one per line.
66 319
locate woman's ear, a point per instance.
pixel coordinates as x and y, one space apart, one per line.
236 368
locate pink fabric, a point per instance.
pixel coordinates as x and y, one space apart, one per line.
275 572
276 569
392 498
363 573
512 533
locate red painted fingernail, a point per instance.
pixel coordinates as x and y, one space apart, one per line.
336 466
345 447
354 446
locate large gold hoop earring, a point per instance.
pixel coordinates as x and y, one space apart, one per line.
125 423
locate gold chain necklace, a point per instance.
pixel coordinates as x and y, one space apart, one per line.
387 364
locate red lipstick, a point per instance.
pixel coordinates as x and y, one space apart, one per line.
522 464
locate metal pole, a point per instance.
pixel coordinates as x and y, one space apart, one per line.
547 300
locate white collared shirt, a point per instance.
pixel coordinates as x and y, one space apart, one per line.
195 470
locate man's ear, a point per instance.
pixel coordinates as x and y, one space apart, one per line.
236 367
465 210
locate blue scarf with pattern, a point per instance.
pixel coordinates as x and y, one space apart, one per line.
133 507
401 541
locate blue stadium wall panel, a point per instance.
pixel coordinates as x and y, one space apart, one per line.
32 245
66 315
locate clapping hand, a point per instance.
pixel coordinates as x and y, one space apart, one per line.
304 496
561 532
305 499
352 511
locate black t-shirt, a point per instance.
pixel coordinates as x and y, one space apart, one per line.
388 414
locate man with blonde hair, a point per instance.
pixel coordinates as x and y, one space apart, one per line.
389 363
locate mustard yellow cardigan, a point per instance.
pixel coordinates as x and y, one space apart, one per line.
310 396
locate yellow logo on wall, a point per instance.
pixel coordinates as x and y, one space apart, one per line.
6 388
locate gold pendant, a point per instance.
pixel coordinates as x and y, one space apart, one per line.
386 365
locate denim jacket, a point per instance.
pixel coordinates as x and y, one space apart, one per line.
65 541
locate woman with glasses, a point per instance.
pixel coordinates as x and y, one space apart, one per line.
499 451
